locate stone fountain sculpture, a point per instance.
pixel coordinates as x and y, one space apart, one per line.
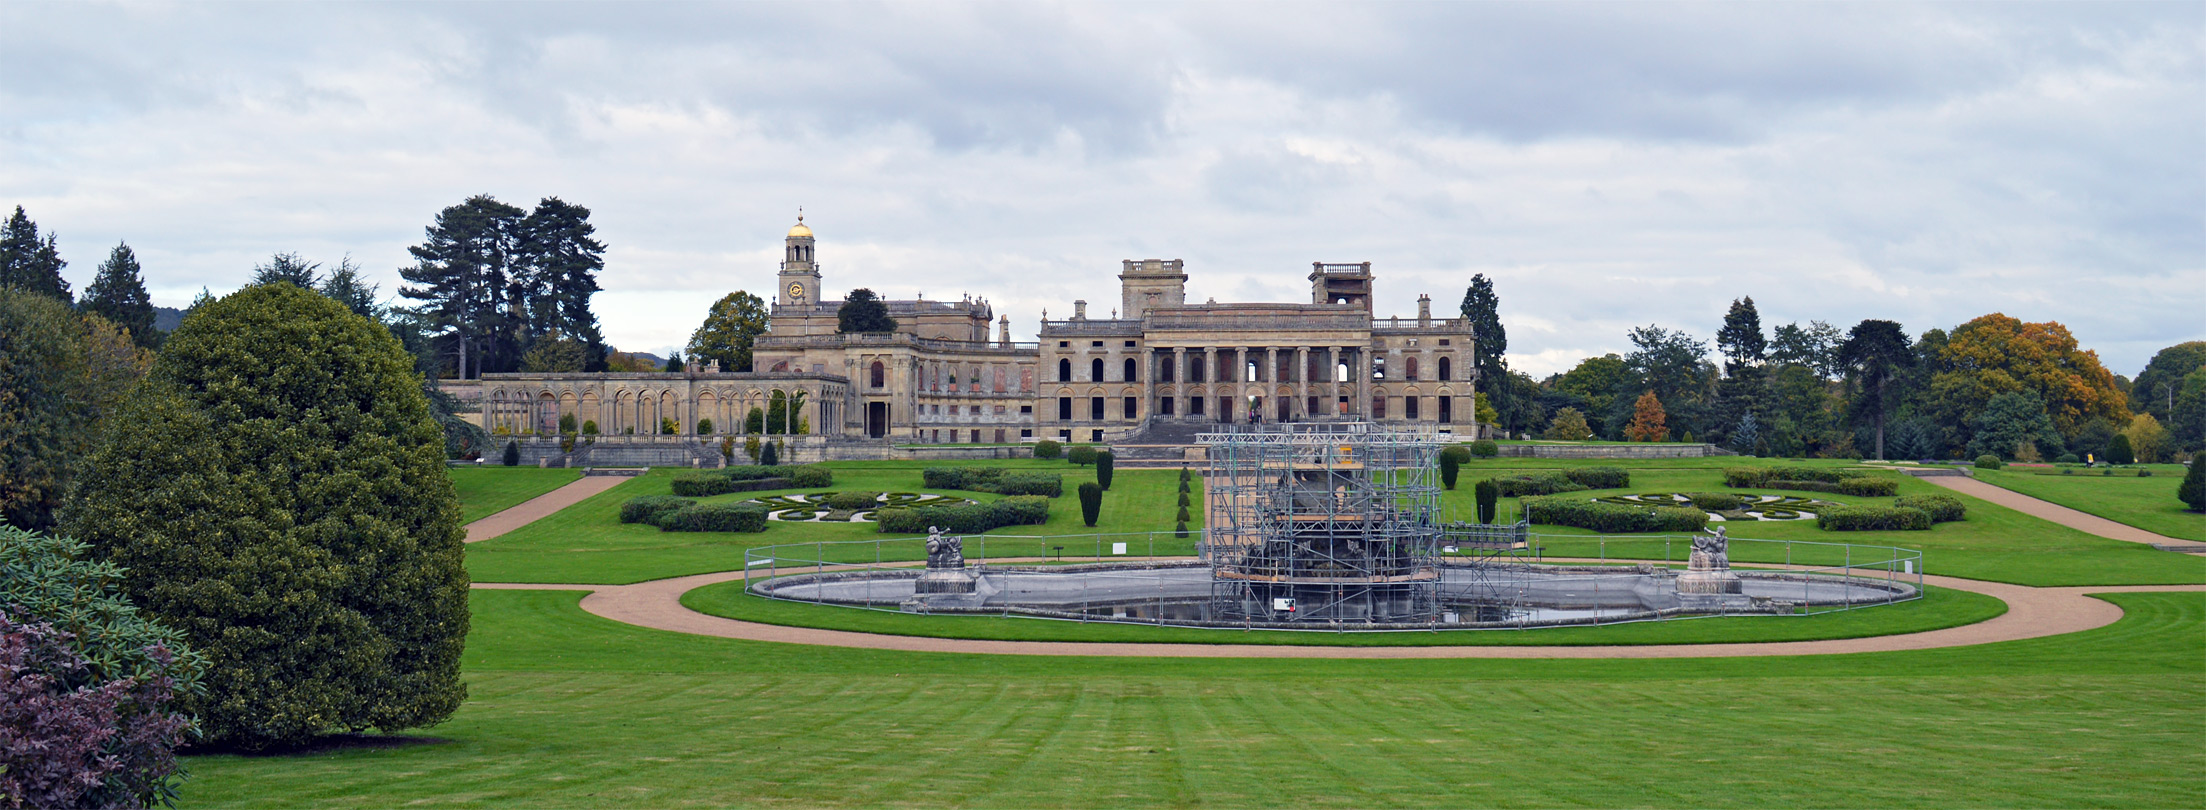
1708 571
946 572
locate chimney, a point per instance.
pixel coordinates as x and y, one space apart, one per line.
1424 311
1079 310
1003 331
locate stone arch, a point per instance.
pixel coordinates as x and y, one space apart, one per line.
1064 369
878 374
1446 369
1095 370
1409 368
708 407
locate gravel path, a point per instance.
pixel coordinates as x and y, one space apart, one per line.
2083 521
541 506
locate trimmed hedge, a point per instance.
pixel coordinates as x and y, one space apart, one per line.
1715 501
1811 479
1485 448
1872 519
1048 449
648 508
1541 483
1018 510
1868 487
1942 508
714 517
750 478
854 500
1987 462
994 479
809 476
1081 454
1599 477
1609 518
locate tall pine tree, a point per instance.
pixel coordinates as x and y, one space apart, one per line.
345 286
118 294
287 268
1739 393
464 268
29 262
1875 356
562 260
1483 309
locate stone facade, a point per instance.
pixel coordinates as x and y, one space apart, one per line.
941 379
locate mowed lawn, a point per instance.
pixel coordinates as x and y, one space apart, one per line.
487 490
587 543
569 710
2146 503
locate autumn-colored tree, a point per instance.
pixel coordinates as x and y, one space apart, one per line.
2147 439
1997 354
1569 425
1647 419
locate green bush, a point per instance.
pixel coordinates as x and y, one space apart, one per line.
1941 508
1048 449
811 476
1488 495
2192 492
1186 498
1017 510
1485 448
1461 454
1872 519
1599 477
1449 469
1869 487
566 423
1185 476
648 509
854 500
769 454
513 453
699 485
994 479
2067 458
281 498
1091 502
704 427
1183 515
714 517
1715 501
2118 450
1180 531
1609 518
1759 477
1081 454
61 374
1546 482
1104 462
1987 462
589 427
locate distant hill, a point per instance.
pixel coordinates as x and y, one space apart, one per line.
167 319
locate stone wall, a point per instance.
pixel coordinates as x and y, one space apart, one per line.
1616 451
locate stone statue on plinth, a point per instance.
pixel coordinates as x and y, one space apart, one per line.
1708 571
946 572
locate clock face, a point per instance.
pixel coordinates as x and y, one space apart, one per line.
796 289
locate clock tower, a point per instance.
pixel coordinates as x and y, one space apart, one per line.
800 277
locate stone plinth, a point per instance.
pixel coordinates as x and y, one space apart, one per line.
947 580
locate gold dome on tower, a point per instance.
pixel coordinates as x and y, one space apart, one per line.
800 229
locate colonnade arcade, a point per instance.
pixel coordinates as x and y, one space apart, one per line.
533 404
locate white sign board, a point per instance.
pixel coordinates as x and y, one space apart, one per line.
1118 548
1283 604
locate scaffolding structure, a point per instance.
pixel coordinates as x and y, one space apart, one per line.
1335 522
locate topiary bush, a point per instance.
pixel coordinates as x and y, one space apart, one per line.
1872 519
810 476
1017 510
854 500
1488 495
714 517
1599 477
1081 454
1715 501
2118 450
513 453
1104 462
1091 502
1183 516
1987 462
2192 492
1048 449
1609 518
89 687
589 427
281 499
1449 469
648 509
769 454
1180 531
1941 508
1485 448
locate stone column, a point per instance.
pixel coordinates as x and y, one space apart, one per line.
1302 381
1362 372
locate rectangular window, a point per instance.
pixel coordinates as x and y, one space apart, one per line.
1129 344
1095 344
1095 408
1133 408
1026 433
1026 409
1064 435
1443 341
999 435
1194 406
976 437
1409 408
1095 435
1064 344
1164 406
1378 407
1064 409
1314 411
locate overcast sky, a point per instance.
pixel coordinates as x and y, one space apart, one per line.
1608 165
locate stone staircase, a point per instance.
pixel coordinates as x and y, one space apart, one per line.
1163 443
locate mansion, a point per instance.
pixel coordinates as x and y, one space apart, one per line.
941 378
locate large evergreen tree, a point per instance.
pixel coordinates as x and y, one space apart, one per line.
1482 308
288 268
735 321
1876 353
118 294
277 490
30 262
61 373
561 261
1739 393
463 268
862 311
1740 340
345 286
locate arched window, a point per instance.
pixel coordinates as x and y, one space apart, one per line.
1064 370
1444 369
880 374
1133 373
1410 370
1095 370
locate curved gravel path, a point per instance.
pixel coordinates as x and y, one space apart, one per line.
2048 510
2031 613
